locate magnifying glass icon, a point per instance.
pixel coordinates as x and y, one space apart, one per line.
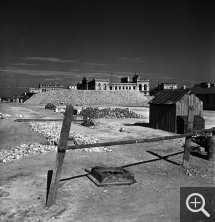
196 203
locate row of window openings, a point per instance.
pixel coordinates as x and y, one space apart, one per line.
134 87
122 87
44 90
111 87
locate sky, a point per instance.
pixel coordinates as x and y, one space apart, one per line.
44 41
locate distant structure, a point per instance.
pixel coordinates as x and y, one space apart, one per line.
135 83
72 87
35 90
162 86
25 96
50 86
46 87
206 92
183 87
204 85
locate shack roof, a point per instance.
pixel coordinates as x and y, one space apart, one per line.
169 96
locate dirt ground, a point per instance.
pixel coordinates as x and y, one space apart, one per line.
156 168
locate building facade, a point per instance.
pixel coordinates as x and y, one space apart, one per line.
72 87
51 86
35 90
162 86
204 85
207 95
46 87
135 83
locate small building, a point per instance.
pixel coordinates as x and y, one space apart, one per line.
50 86
168 104
35 90
162 86
25 96
207 95
204 85
14 99
72 87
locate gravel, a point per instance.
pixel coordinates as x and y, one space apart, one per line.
3 116
89 97
51 130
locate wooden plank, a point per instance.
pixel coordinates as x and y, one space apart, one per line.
211 147
42 120
188 139
114 143
60 156
36 120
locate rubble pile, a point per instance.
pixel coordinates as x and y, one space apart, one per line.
88 97
50 106
51 130
24 150
95 113
3 116
88 122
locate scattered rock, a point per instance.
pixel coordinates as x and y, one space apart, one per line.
88 122
24 150
3 116
122 130
50 106
51 130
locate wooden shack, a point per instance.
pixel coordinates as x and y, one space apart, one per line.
168 104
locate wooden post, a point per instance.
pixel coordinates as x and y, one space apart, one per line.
188 140
213 131
49 179
62 146
210 147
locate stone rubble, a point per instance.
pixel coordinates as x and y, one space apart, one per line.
95 113
89 97
3 116
24 150
51 130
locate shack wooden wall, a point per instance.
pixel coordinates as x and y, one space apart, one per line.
163 116
185 102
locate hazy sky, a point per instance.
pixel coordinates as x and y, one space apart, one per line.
45 41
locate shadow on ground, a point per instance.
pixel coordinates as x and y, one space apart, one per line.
138 124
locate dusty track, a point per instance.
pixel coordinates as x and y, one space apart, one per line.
155 196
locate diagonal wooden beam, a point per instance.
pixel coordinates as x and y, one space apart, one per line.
62 146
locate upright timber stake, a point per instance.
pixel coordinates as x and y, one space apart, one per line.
211 148
62 146
188 140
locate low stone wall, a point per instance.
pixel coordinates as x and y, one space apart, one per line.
89 98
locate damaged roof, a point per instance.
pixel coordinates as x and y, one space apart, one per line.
169 96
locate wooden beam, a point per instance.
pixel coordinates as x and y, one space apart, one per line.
114 143
37 120
188 139
211 148
42 120
62 146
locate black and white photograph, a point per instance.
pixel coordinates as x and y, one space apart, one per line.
107 110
